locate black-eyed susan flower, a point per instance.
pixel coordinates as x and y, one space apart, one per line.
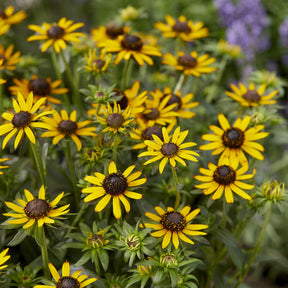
62 126
97 64
232 141
174 225
225 178
32 209
26 115
40 88
190 63
184 103
113 186
5 166
171 148
114 119
9 59
186 30
251 96
56 34
226 48
9 17
4 258
66 280
129 46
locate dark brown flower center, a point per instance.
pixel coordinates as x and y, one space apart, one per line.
169 149
224 175
113 31
2 14
55 32
233 138
252 96
67 127
37 208
173 98
132 42
181 27
152 115
21 119
115 120
123 101
67 282
98 63
187 60
173 221
115 184
40 87
156 130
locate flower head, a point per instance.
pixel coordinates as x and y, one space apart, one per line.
9 18
186 30
171 148
33 210
251 96
273 190
9 60
190 63
96 64
227 48
115 185
62 126
3 258
174 224
26 115
232 141
56 34
227 178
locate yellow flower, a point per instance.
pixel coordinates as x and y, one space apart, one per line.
4 27
9 18
129 46
63 126
251 97
115 185
75 280
9 60
3 258
186 30
27 212
40 88
114 120
97 64
225 178
170 149
3 167
190 64
174 224
25 117
231 141
56 34
228 48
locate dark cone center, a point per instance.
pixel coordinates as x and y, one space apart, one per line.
153 115
21 119
181 27
187 60
169 149
98 63
233 138
67 282
40 87
37 208
173 98
55 32
115 184
67 127
173 221
132 42
115 120
224 175
114 31
123 101
156 130
252 96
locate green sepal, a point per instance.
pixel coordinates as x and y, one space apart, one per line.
18 237
85 258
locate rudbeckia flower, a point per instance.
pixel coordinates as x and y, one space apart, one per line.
174 224
113 186
9 18
3 258
56 34
97 64
35 210
9 60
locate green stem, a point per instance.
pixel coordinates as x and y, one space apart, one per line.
39 163
77 218
115 147
175 178
125 75
180 82
73 174
44 253
256 250
224 216
1 96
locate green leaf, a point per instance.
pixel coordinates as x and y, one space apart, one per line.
159 275
39 235
236 256
225 237
83 259
18 238
85 229
173 278
104 258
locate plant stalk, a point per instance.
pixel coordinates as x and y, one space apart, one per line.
39 163
44 253
115 147
175 178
